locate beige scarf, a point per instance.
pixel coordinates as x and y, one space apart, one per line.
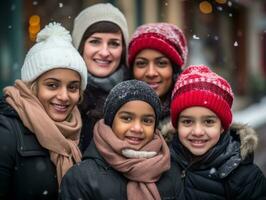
60 138
141 172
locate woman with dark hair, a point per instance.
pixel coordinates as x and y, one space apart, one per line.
157 54
100 34
39 119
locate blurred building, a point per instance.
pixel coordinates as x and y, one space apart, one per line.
229 36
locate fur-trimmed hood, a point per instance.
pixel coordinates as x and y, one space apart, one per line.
248 136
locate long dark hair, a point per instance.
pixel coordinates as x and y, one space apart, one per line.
104 27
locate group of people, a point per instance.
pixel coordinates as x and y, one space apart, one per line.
101 115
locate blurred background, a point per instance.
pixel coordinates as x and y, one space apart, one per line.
228 36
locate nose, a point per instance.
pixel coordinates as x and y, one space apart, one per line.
137 127
104 51
62 94
151 71
198 130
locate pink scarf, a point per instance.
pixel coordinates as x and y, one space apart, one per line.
60 138
141 172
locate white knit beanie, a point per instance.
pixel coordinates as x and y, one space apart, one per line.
53 50
96 13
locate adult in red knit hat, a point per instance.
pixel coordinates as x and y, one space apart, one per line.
215 158
164 37
157 55
199 86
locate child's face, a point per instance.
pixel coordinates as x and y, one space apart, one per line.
199 129
135 123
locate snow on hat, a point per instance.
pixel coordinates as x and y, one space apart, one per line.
164 37
96 13
127 91
53 50
199 86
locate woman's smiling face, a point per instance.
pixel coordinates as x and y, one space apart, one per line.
58 90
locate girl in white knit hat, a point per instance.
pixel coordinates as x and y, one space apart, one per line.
39 119
100 34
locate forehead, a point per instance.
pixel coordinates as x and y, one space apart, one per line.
60 73
137 107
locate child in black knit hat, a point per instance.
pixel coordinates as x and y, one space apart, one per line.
128 158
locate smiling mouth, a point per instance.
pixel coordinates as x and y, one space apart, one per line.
197 143
102 62
134 140
154 85
60 107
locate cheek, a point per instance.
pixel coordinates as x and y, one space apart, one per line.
75 98
138 73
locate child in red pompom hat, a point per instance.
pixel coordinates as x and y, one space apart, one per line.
216 159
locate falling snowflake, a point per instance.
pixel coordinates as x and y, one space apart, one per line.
216 37
166 4
219 8
35 3
13 7
60 5
235 43
229 3
10 27
45 192
195 37
230 15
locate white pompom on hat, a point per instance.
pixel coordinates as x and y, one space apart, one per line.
53 50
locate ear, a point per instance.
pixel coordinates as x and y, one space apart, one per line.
222 130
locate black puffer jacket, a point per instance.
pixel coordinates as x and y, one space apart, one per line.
26 172
94 179
227 171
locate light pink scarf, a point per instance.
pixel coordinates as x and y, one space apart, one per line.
141 172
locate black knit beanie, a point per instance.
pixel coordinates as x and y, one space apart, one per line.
128 91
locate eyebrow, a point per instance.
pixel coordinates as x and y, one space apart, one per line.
130 113
55 79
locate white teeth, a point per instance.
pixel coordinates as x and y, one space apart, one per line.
102 61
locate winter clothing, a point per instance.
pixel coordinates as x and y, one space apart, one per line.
98 88
199 86
105 173
127 91
97 13
26 171
36 150
53 50
170 41
226 172
60 138
163 37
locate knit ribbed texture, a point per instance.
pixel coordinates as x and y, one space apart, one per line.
53 50
128 91
96 13
199 86
164 37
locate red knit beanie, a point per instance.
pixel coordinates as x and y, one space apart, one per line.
164 37
199 86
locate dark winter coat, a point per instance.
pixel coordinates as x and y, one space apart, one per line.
91 109
26 171
94 179
227 171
